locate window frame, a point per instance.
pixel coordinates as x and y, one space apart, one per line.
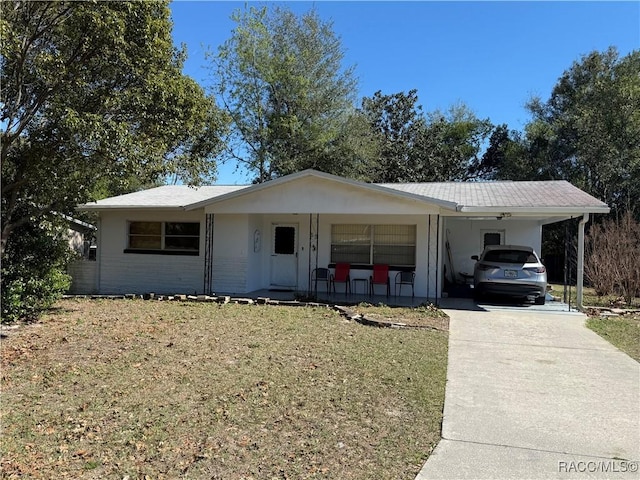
163 250
483 232
373 247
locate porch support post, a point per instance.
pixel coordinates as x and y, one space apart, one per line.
580 272
314 227
439 258
208 254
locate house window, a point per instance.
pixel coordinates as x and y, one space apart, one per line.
178 238
181 236
145 235
374 244
492 237
351 243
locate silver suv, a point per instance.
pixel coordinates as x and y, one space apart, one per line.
512 270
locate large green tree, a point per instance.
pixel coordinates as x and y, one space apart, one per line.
505 158
281 79
418 147
589 129
94 91
93 99
587 132
450 144
397 121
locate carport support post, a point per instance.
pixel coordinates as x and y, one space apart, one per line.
580 272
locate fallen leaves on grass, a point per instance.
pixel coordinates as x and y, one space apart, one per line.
117 388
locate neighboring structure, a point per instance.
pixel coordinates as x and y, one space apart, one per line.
80 236
239 239
84 270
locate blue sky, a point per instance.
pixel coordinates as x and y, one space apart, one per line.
492 56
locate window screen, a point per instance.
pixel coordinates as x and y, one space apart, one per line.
394 244
145 235
164 236
492 238
350 243
372 244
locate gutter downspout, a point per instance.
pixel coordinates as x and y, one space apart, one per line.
580 272
97 286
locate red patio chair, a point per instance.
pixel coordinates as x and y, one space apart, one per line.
341 275
380 277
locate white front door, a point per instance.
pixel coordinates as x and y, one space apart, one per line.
284 255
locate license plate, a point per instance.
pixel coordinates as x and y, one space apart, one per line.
510 274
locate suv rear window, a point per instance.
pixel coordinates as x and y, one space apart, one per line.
510 256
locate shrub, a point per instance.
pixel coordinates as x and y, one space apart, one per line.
33 270
612 263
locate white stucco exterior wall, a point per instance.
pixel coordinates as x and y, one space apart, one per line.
230 253
465 237
84 277
122 273
240 266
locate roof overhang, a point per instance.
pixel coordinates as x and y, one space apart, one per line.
523 211
155 208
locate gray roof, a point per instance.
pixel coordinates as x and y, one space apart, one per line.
525 194
167 196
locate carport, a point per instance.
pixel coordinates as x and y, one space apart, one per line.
508 213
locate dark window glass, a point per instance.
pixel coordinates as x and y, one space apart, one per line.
145 235
285 240
394 254
350 253
176 236
491 239
188 229
181 243
510 256
182 236
145 228
367 244
145 242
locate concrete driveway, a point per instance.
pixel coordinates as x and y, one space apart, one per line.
534 394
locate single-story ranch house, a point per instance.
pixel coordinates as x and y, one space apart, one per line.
241 239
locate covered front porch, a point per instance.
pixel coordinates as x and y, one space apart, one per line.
273 237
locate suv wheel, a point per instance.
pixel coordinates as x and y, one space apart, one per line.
477 294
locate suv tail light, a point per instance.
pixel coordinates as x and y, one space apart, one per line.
484 267
536 269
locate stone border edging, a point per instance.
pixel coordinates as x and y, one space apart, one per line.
611 311
344 311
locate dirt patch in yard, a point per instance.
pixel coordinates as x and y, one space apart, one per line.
424 316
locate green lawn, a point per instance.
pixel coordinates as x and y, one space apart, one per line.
623 332
148 389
